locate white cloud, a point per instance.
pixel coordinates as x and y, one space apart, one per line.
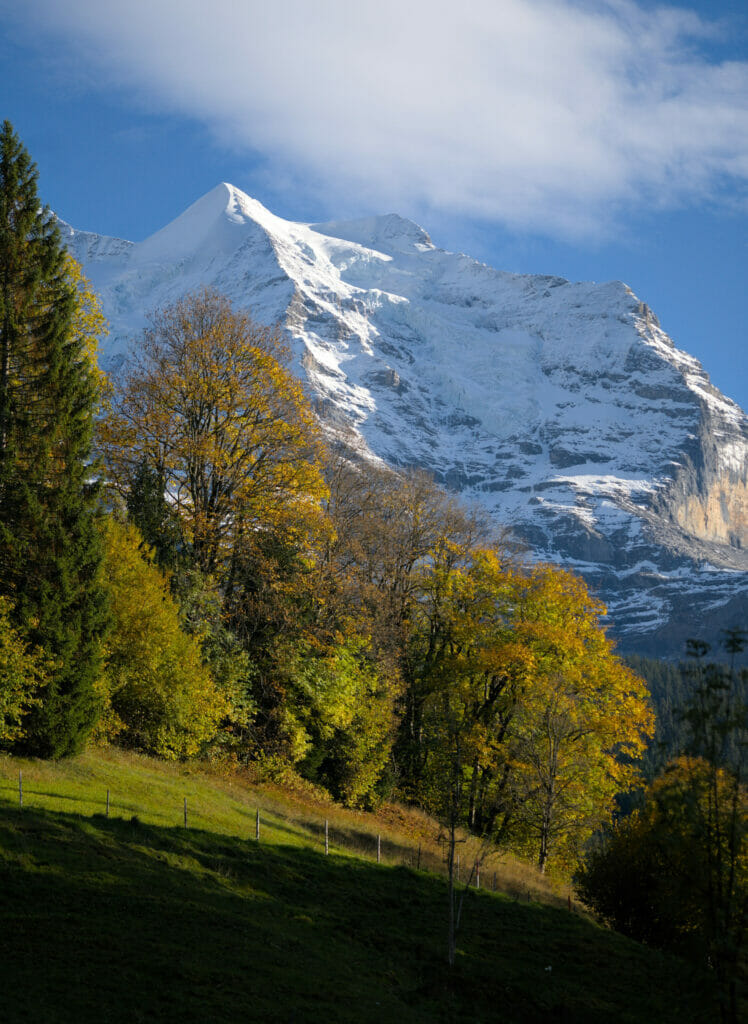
552 115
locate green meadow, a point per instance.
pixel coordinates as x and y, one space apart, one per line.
136 918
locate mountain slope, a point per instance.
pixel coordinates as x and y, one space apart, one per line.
562 407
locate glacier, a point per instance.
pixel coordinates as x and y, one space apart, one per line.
561 407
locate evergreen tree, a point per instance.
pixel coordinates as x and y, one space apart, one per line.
50 550
149 511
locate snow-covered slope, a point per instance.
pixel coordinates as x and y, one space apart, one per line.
562 407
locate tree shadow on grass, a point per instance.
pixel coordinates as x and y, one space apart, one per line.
116 920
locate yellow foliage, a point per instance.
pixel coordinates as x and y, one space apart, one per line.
549 722
340 705
207 402
89 323
161 697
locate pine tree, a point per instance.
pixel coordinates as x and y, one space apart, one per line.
150 512
50 549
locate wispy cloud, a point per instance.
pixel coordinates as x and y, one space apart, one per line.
552 115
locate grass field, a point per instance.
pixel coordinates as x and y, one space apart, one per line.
155 790
135 918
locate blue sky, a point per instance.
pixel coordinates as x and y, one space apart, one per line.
593 140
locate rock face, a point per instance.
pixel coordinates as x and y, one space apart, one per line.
564 408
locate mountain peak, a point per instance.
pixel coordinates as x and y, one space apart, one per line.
216 223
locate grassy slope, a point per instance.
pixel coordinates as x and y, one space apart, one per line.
122 920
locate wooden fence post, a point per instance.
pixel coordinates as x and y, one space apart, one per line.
327 844
419 857
107 803
257 825
477 874
494 881
185 812
379 849
20 788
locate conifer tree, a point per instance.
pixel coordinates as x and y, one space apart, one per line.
150 512
50 550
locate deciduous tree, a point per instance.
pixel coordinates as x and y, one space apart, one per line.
675 872
340 711
584 720
207 403
389 530
159 693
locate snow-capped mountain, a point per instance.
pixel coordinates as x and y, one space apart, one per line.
564 408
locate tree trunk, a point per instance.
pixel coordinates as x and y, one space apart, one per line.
452 933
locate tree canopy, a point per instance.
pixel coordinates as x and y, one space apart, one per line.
159 694
524 688
208 403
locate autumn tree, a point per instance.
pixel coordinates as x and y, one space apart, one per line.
387 524
158 692
89 324
552 721
674 872
218 457
470 674
388 527
526 713
207 404
50 551
584 720
652 874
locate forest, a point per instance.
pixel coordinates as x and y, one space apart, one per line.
191 568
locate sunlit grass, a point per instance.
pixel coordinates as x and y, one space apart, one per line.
154 791
135 918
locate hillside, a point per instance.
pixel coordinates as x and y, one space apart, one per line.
135 918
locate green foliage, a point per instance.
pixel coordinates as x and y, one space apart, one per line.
160 695
202 616
672 686
50 551
23 672
715 715
341 717
155 519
